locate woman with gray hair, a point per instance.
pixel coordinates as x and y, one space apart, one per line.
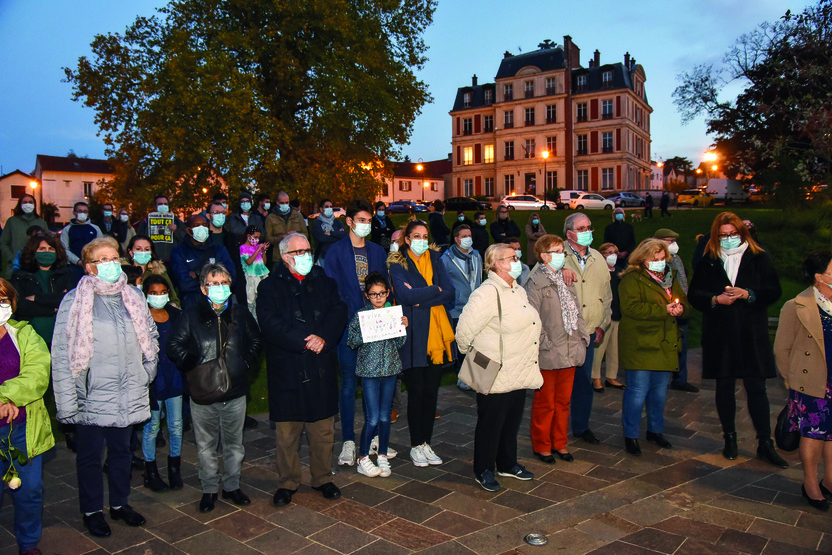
218 327
104 353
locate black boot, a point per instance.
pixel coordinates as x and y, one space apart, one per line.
152 480
767 452
174 474
731 450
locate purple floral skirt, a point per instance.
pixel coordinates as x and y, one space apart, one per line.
811 415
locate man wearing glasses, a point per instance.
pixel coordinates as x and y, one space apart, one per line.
595 301
302 319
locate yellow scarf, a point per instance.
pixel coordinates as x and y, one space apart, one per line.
440 334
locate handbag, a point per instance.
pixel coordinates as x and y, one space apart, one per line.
209 382
786 439
479 371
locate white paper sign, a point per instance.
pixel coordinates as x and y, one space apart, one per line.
381 323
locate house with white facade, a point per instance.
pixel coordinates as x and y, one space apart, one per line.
67 180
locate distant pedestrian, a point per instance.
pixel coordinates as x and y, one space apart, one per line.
664 203
648 206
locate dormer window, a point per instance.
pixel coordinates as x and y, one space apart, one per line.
466 100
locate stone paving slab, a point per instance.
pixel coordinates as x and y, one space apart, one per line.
682 501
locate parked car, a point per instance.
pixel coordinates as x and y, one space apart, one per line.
624 199
590 201
455 204
695 197
727 190
524 202
564 197
337 212
405 207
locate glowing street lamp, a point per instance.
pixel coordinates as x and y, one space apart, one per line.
710 156
545 155
425 185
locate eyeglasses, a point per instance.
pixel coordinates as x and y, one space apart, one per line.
104 260
379 295
728 236
512 258
218 283
300 252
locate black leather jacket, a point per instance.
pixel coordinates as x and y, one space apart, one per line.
197 338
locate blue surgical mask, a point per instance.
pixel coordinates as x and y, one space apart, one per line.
584 238
460 218
419 246
158 301
619 217
516 269
328 212
224 205
362 229
535 221
483 221
109 271
466 243
267 206
245 206
218 294
200 233
218 220
108 213
163 208
730 242
303 264
141 257
656 266
558 258
380 213
284 208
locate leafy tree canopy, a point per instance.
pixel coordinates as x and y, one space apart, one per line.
778 131
302 95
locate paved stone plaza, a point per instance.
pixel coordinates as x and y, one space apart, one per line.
686 500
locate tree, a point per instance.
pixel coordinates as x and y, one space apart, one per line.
778 131
310 97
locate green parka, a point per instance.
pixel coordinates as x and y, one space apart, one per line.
648 337
13 238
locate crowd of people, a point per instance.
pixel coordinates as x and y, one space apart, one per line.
138 330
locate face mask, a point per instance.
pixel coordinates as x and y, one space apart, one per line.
380 213
303 264
108 213
419 246
612 259
362 230
519 254
619 217
584 238
109 271
254 242
466 243
461 218
656 266
46 258
673 248
124 218
394 247
27 208
730 242
141 257
483 221
200 233
516 269
225 205
158 301
558 258
163 208
284 208
218 294
5 314
219 220
267 206
328 212
82 217
245 206
535 221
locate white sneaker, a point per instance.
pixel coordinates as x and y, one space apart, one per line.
347 456
391 453
384 466
430 456
418 456
367 468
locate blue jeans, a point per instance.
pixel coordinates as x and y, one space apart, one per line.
28 498
644 386
349 383
173 411
582 392
681 377
378 399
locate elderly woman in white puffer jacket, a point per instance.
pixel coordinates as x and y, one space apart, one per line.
512 339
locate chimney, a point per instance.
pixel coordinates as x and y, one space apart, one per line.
571 53
597 58
591 61
632 63
507 55
474 80
627 60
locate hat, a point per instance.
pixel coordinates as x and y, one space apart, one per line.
665 233
245 194
618 210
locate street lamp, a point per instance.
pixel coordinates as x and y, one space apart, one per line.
545 155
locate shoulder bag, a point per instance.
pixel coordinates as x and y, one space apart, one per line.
786 439
209 382
479 371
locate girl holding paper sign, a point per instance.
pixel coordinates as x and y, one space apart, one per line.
378 366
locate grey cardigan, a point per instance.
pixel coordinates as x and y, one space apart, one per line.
113 392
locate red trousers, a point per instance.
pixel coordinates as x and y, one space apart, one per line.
550 410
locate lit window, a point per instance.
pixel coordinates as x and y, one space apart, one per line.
529 148
488 154
467 155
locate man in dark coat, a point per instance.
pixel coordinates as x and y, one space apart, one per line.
438 228
382 227
302 318
664 203
648 206
622 235
189 257
479 233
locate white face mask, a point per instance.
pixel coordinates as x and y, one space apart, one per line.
362 229
612 259
673 247
394 247
82 217
5 314
466 243
27 207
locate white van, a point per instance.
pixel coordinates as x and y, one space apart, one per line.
564 198
727 190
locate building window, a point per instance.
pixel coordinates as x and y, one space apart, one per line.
583 180
509 182
466 100
552 146
607 183
469 187
488 124
509 150
489 186
606 109
551 87
488 154
88 189
529 148
67 183
606 79
508 92
582 111
18 191
467 126
552 113
488 97
551 180
529 116
606 142
404 185
528 88
508 119
581 83
385 190
581 145
467 155
434 186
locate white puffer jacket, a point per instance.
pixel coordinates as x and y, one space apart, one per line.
479 324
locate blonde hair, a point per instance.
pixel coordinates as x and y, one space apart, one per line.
491 254
645 252
545 243
94 245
